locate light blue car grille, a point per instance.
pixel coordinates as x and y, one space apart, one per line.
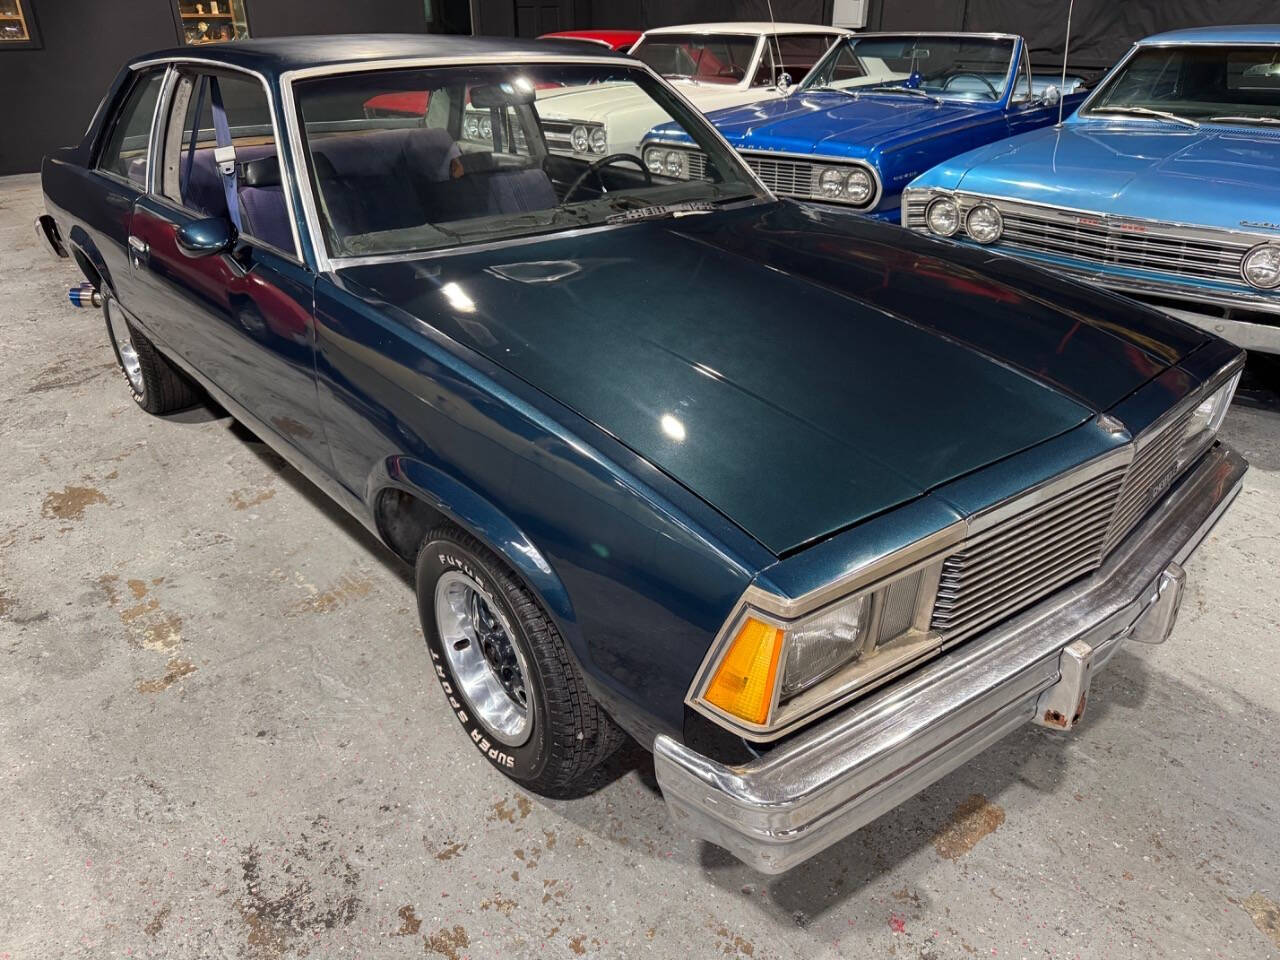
1192 252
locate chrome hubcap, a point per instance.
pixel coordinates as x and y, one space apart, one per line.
124 344
488 665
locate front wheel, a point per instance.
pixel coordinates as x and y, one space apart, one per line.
504 668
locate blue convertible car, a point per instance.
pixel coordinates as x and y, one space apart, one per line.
876 111
1165 185
813 507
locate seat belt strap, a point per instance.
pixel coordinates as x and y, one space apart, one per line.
224 154
195 136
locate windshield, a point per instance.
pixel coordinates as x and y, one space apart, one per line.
707 58
1199 83
475 164
950 68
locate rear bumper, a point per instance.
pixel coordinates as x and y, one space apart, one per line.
811 791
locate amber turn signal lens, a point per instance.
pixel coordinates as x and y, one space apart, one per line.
743 682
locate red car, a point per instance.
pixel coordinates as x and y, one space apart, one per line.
413 103
613 39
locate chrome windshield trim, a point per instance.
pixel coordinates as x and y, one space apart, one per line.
324 262
807 82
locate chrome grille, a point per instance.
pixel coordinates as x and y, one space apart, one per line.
697 165
1031 552
559 134
1153 469
1016 562
898 608
791 178
1192 252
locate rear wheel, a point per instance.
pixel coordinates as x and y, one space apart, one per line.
504 667
154 383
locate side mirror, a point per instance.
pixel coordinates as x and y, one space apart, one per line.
784 83
1050 96
203 237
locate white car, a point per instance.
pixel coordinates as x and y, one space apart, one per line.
714 65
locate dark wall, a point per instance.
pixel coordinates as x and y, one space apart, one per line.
50 94
1101 30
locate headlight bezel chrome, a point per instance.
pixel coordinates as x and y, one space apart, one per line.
1268 247
917 565
938 203
840 176
988 209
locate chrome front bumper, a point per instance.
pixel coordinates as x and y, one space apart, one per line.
827 782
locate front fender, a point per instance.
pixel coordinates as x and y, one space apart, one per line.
485 521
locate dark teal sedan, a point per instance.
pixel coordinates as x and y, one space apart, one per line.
813 507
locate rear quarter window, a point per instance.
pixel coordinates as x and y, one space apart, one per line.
124 154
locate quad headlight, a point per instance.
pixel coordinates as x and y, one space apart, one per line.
599 140
984 224
667 163
1261 266
845 185
1205 421
943 217
767 673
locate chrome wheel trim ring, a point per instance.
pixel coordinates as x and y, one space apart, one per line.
487 663
123 340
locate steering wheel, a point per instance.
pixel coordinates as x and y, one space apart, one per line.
595 167
995 94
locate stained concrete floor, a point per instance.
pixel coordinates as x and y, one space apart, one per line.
219 738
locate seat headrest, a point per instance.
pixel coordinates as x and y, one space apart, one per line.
262 172
325 170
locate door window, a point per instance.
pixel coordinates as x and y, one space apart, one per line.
193 177
125 152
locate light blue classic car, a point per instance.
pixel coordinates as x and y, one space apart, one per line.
877 110
1165 185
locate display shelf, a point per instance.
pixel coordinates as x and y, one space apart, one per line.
210 21
14 24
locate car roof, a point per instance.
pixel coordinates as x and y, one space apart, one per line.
1244 33
747 28
277 55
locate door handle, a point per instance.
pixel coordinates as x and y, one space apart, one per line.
138 250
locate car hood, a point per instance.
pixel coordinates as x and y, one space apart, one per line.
598 102
1221 175
798 370
838 123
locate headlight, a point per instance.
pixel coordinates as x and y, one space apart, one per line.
675 163
943 217
578 137
858 187
820 646
486 128
599 140
767 673
984 223
1261 266
654 160
831 183
471 128
1205 421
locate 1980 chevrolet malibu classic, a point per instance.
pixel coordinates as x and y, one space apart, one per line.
815 507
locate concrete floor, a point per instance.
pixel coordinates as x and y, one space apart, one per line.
219 738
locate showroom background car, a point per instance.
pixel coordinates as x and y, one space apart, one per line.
814 507
879 109
713 64
1162 186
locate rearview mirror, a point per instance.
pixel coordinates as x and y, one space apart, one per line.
203 237
517 93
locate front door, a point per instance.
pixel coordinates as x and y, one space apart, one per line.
241 318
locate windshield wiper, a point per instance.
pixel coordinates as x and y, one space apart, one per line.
659 211
1148 112
898 88
1275 120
